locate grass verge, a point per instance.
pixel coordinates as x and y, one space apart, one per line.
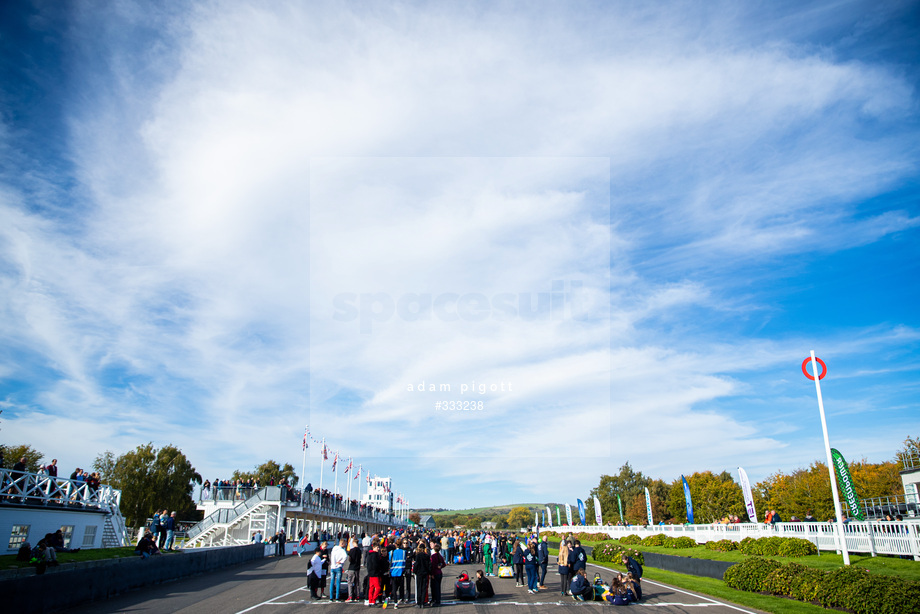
96 554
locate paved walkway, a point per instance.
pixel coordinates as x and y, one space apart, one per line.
278 586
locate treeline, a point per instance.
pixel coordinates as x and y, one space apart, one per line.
716 495
152 479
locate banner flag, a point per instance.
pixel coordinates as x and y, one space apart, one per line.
648 506
620 505
597 511
687 500
558 518
748 495
846 485
549 517
536 519
581 510
568 514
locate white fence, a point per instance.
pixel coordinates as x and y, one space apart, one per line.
894 538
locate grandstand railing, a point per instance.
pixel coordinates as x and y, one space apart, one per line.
25 488
871 537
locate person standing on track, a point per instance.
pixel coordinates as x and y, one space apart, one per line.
422 570
531 564
376 567
437 564
562 559
543 557
353 573
517 558
487 544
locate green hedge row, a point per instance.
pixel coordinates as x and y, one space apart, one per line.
777 546
849 587
589 537
612 552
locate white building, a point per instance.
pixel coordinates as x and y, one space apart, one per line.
379 494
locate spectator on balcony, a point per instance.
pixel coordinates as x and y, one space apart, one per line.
206 489
18 475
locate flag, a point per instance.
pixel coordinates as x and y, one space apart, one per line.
543 513
845 480
620 505
349 466
306 430
648 506
558 519
325 455
334 461
687 500
549 516
536 519
358 474
581 511
597 511
568 514
748 496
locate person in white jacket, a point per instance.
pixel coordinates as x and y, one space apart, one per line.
336 561
316 573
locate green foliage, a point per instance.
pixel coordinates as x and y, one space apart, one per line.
105 466
12 454
631 540
630 485
683 541
714 496
723 545
659 539
794 580
848 588
751 575
795 547
151 480
612 552
267 473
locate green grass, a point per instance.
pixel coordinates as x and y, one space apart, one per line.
96 554
826 561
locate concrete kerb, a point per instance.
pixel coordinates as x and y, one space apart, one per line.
95 580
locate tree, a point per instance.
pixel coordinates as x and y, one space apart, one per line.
628 484
415 517
12 454
105 465
269 472
519 517
151 479
713 496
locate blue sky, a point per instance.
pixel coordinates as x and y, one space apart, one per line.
221 222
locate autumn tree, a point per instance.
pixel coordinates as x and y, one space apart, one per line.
713 497
415 517
151 479
269 472
629 484
12 454
519 517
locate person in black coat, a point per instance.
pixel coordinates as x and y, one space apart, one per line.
484 588
421 569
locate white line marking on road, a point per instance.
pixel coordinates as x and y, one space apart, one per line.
302 588
727 605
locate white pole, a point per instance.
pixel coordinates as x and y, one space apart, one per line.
830 464
303 467
322 464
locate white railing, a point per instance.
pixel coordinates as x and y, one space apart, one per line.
894 538
22 487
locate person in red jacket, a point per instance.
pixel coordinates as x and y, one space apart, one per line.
376 566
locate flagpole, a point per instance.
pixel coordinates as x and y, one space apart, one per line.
830 462
322 465
303 467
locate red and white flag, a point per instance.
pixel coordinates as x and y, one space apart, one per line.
325 456
334 461
305 431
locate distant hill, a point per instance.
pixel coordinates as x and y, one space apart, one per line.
495 509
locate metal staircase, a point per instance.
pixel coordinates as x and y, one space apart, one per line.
235 525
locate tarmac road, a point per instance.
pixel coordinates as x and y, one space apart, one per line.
278 586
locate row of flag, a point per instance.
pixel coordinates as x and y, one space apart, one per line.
840 465
308 437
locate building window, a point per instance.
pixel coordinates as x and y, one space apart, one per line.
89 538
67 530
18 535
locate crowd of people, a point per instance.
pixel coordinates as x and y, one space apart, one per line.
407 567
22 482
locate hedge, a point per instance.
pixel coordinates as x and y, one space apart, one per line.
849 588
613 553
777 546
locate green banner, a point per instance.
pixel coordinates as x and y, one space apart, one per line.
845 481
620 505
